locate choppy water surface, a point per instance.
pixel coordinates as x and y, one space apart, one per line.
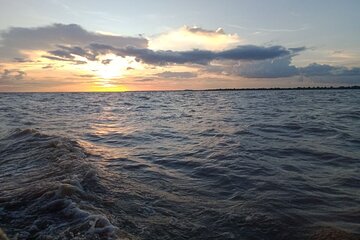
179 165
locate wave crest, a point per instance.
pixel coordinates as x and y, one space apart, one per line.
47 190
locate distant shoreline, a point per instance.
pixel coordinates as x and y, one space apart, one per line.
277 88
220 89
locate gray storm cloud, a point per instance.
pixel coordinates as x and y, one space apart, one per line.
162 57
15 39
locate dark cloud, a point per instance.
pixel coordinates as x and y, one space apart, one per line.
71 59
145 80
281 67
106 61
349 72
90 55
273 68
168 57
179 75
11 75
46 38
62 54
251 52
86 75
297 50
22 60
246 53
47 66
316 69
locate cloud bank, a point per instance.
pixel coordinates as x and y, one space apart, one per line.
316 69
17 39
161 57
282 67
198 51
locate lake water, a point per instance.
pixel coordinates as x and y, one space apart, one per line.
179 165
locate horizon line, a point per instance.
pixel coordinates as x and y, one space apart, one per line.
353 87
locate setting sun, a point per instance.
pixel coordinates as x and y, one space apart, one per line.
108 66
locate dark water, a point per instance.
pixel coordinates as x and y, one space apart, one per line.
179 165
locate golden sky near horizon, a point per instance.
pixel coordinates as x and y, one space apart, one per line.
40 55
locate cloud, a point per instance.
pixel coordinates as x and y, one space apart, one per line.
86 75
273 68
66 51
70 59
62 54
210 51
218 31
178 75
144 80
11 75
251 52
281 67
16 39
188 38
161 57
47 66
316 69
22 60
106 61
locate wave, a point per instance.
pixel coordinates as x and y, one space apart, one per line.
49 189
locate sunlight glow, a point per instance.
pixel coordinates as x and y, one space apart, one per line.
108 66
183 39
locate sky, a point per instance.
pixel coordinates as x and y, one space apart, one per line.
114 45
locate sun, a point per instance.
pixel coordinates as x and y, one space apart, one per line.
109 66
